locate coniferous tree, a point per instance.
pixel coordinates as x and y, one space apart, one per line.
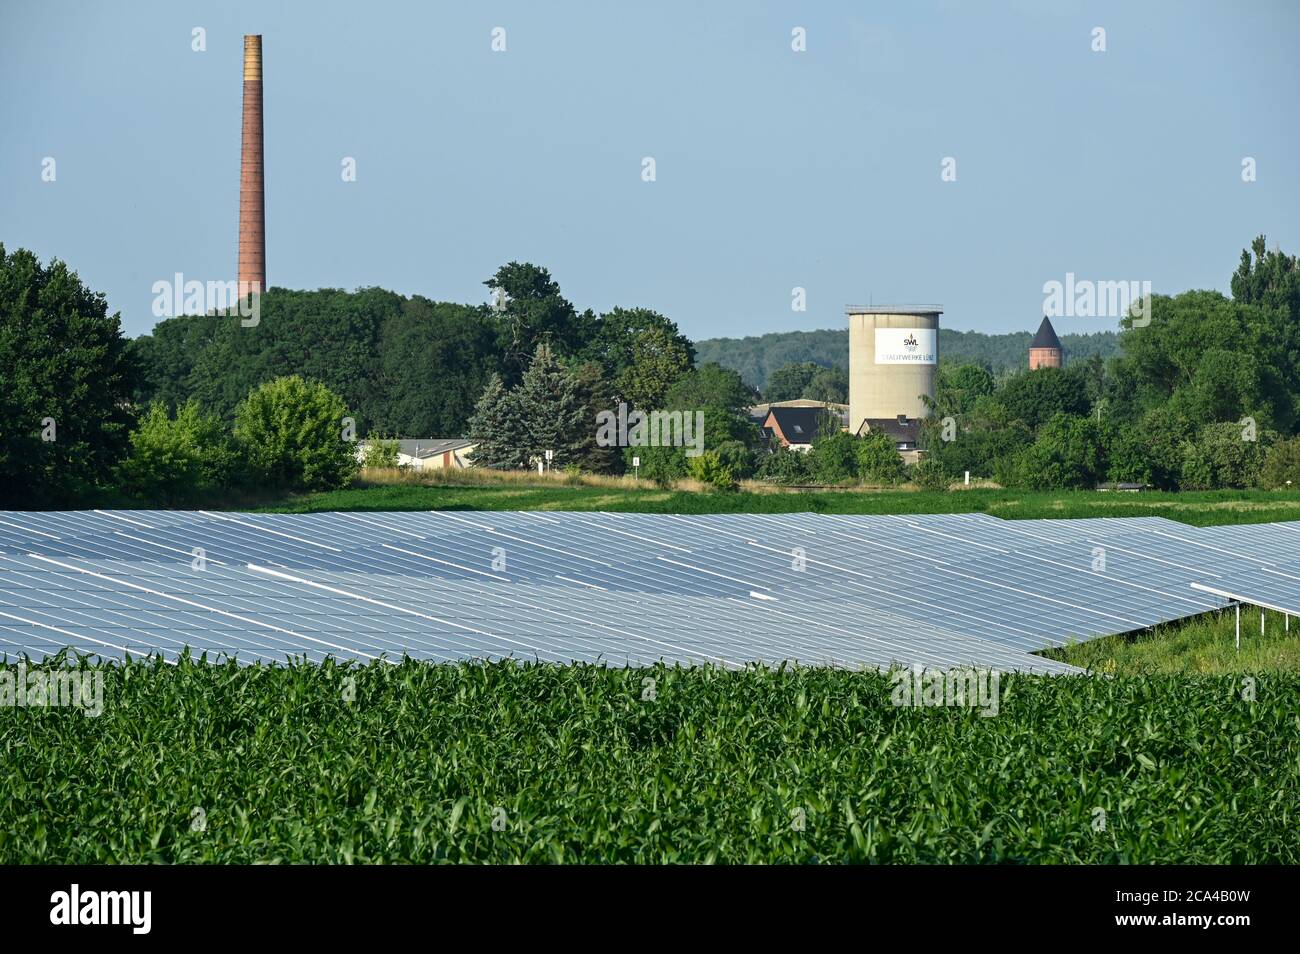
553 410
597 395
496 429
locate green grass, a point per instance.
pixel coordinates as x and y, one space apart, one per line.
580 767
1199 508
1202 645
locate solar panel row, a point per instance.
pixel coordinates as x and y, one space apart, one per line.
623 589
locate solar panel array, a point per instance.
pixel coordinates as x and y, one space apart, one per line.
940 590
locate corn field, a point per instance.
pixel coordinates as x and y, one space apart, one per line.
508 762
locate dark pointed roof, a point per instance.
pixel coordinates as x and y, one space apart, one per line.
1046 337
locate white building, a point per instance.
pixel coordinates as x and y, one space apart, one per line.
429 453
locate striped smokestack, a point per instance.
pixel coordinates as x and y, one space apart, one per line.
252 212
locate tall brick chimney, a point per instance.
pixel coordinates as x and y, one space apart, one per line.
252 192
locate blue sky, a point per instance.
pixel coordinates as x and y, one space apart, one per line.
775 169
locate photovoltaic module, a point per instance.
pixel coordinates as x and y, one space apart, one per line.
942 590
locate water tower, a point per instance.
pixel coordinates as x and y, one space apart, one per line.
893 354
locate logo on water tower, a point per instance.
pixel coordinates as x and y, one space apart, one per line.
905 346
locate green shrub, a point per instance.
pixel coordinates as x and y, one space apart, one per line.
1068 454
1005 470
663 465
380 452
785 466
708 468
834 458
1281 465
1150 450
293 435
978 448
737 458
1224 455
877 459
174 460
929 475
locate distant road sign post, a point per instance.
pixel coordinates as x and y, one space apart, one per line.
636 464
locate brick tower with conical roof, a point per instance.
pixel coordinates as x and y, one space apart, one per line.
1045 350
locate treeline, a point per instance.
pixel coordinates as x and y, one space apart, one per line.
1207 395
757 358
405 366
409 367
221 401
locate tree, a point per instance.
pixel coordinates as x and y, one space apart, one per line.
785 466
410 367
292 434
167 357
1034 397
828 385
1068 453
641 351
959 386
713 429
1093 372
497 429
663 465
834 457
757 358
659 359
740 459
553 411
66 382
328 335
596 394
787 383
533 312
174 460
1162 360
711 385
1149 451
1271 280
1225 386
984 450
550 409
435 359
1224 455
809 381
